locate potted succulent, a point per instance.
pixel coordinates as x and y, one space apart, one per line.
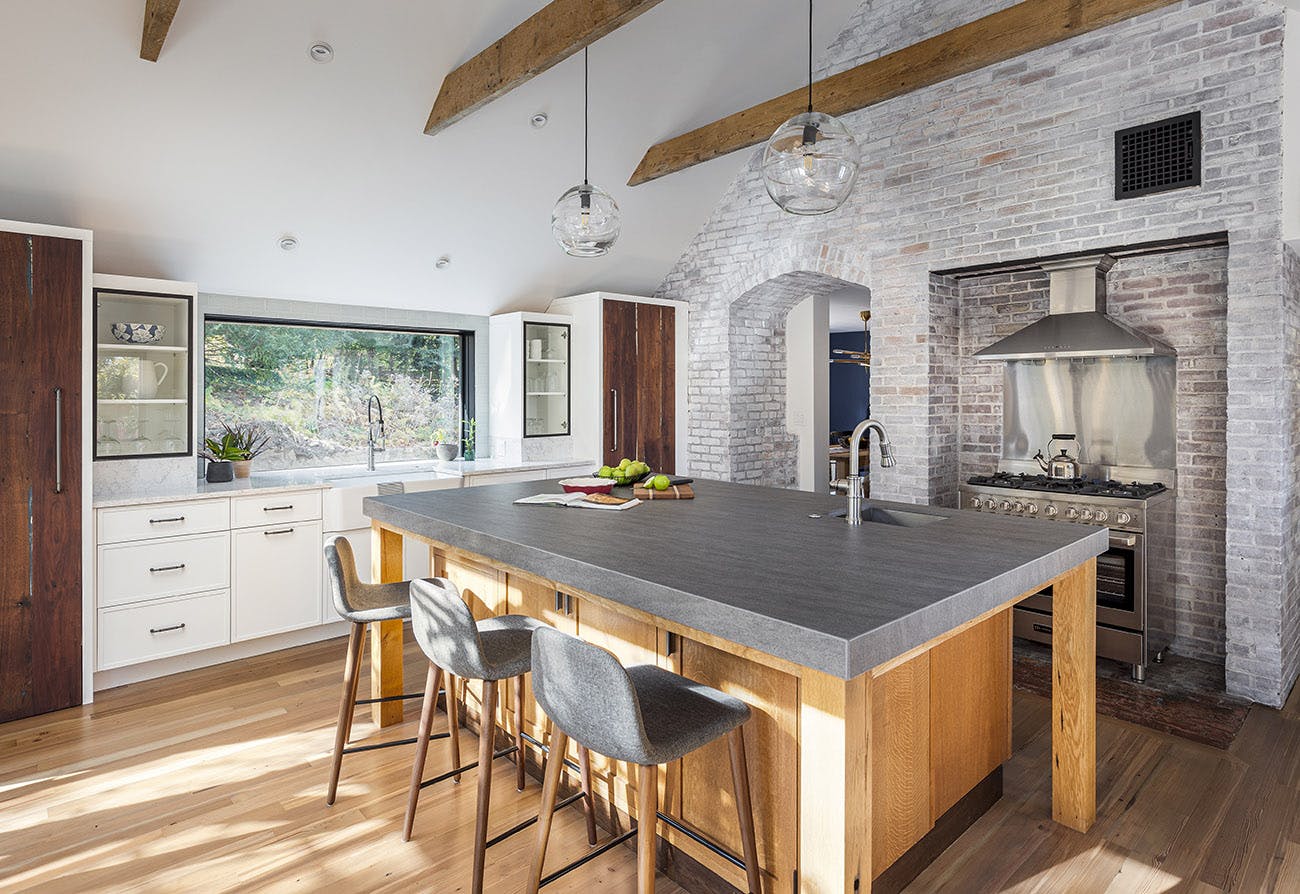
445 449
231 454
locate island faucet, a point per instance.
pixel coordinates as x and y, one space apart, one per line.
375 437
854 515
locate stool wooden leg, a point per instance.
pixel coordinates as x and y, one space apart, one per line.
588 804
351 674
486 747
453 725
744 807
647 824
519 732
422 745
559 743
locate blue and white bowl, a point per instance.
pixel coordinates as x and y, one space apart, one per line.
138 333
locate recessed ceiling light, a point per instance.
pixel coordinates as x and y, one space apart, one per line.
320 52
442 263
288 243
539 120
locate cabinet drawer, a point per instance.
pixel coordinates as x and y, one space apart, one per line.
295 506
163 520
135 633
133 572
277 579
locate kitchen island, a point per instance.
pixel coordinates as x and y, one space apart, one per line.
876 657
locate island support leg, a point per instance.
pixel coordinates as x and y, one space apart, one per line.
834 784
385 636
1074 698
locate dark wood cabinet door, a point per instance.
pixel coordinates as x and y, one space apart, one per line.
656 386
40 478
620 378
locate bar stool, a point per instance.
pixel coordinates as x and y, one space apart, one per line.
361 604
490 650
643 715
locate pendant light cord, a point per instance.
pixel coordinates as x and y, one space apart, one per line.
810 55
586 102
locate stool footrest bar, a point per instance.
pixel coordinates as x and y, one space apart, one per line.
587 858
702 841
467 767
353 749
514 830
392 698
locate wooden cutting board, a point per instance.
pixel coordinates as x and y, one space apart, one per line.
679 492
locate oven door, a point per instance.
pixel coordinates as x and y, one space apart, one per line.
1121 584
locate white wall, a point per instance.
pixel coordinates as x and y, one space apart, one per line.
1291 125
807 413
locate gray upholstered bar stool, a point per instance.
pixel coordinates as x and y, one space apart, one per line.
360 604
490 650
643 715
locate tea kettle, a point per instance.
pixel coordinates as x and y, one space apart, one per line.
1062 465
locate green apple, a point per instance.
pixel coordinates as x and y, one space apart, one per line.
624 463
661 482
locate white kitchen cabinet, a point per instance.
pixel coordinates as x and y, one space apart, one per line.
275 509
163 520
161 628
131 572
277 579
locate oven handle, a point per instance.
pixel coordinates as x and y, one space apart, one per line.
1118 540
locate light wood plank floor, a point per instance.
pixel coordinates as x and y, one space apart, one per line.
214 781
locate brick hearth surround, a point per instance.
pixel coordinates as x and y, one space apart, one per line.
1016 161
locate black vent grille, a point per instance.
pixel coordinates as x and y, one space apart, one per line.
1158 157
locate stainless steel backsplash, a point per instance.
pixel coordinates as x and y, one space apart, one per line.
1121 409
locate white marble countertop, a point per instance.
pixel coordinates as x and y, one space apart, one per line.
315 479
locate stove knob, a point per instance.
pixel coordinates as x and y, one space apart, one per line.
1086 515
1102 515
1050 511
1032 508
975 503
1071 513
1004 506
1123 518
989 504
1018 507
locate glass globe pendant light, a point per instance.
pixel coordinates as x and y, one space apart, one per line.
811 163
585 221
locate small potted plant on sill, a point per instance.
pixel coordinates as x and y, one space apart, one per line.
445 449
251 440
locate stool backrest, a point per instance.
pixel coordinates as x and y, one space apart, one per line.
341 568
445 628
588 694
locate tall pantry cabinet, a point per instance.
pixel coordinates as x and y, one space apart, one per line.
44 274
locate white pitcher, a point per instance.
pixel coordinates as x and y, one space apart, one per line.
142 379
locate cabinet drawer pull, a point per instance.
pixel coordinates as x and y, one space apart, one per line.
156 630
276 508
164 521
161 568
280 531
1042 628
58 440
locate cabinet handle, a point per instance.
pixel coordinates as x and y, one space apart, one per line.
280 531
276 508
1042 628
58 440
156 630
614 391
160 568
163 521
671 643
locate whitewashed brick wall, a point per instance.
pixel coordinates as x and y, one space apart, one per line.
1015 161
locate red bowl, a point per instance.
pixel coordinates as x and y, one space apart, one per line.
587 485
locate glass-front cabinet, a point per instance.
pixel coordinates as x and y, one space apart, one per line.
546 379
143 371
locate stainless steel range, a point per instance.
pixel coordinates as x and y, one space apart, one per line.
1134 579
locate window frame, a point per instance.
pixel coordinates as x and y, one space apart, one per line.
467 396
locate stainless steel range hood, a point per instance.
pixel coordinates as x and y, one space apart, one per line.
1076 324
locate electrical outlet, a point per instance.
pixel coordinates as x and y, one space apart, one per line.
798 417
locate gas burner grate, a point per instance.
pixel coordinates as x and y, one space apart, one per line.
1087 487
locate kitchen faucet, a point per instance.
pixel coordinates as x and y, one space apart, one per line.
375 417
854 515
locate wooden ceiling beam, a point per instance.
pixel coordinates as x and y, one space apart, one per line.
158 15
1000 37
549 36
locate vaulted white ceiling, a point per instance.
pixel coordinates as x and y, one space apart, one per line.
193 167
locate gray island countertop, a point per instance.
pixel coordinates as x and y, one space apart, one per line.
749 565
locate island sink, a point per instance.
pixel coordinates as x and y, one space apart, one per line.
898 517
